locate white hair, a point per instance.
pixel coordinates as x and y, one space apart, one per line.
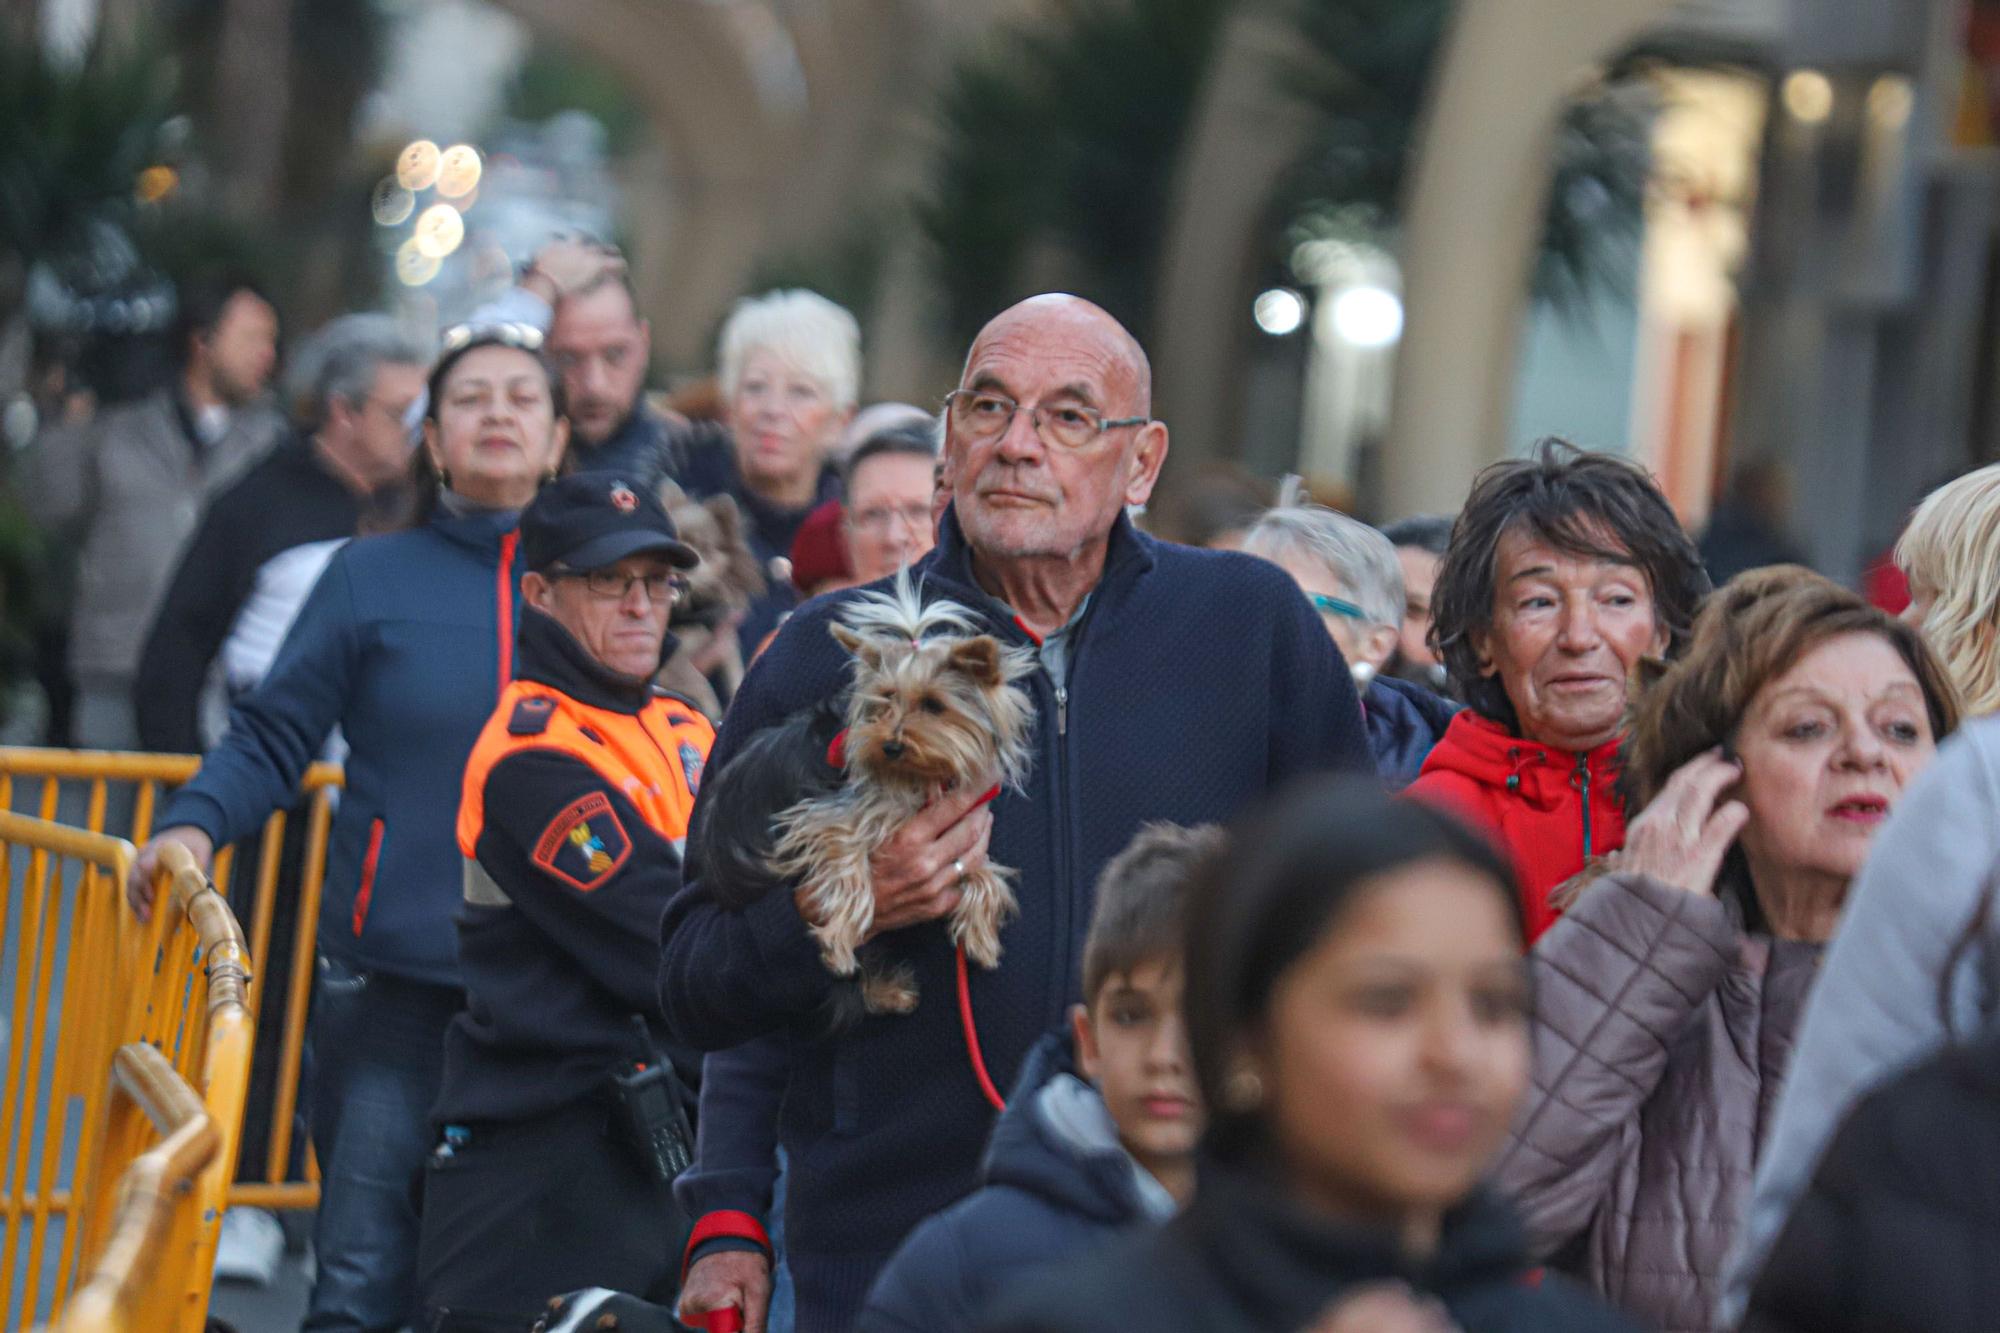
803 329
1355 554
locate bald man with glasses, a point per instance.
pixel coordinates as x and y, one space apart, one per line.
1174 684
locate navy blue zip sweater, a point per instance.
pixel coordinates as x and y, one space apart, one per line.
1198 680
400 644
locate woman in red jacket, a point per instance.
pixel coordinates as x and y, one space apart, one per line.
1566 570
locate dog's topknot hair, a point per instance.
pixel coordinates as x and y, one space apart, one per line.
899 612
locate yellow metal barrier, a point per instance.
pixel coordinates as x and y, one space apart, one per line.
152 1010
79 787
155 1205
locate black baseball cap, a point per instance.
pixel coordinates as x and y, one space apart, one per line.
588 520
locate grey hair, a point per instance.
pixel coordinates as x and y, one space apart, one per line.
340 361
1357 555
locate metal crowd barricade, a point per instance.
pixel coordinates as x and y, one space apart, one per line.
121 1032
85 787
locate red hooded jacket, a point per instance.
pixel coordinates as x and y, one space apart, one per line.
1549 810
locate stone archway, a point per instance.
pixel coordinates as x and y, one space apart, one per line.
1473 215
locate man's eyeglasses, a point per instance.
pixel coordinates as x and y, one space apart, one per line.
612 586
986 416
1333 606
524 336
881 519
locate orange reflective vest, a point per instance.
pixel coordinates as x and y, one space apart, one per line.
653 757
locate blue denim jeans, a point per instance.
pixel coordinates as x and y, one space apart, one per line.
378 1053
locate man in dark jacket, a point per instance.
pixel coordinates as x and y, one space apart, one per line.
579 294
263 543
1175 684
575 807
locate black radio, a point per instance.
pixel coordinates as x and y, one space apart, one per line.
650 1100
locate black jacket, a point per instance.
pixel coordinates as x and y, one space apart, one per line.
575 804
260 547
1052 1191
1899 1231
1245 1256
1198 680
644 450
1405 721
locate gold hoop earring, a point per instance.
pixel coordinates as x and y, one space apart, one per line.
1243 1092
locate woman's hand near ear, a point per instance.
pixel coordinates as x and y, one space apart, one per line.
1682 837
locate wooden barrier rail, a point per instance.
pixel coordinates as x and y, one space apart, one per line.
79 787
123 1032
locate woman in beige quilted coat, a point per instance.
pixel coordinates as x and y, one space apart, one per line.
1668 996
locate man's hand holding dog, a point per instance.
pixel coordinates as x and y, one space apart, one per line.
918 870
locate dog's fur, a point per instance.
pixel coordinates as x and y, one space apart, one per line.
934 706
708 663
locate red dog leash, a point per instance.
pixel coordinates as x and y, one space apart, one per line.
972 1037
972 1051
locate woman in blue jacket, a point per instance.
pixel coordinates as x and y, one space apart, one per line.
404 643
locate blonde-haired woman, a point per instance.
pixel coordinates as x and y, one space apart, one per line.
1951 555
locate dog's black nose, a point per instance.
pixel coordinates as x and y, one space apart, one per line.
892 749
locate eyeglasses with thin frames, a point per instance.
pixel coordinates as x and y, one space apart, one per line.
612 586
985 416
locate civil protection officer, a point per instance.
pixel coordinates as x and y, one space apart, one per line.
547 1175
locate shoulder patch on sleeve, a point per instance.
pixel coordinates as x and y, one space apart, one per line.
584 845
531 716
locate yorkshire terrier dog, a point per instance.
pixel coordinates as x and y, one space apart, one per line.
934 706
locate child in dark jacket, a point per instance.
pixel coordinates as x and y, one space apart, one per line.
1099 1132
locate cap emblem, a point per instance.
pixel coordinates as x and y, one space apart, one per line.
622 498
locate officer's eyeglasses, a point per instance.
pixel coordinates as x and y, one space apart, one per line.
612 586
981 416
